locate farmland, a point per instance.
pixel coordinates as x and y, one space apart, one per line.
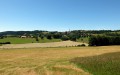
105 64
16 40
59 53
59 37
21 37
50 44
48 61
84 40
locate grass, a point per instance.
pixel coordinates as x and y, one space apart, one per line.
15 40
105 64
83 40
45 40
47 61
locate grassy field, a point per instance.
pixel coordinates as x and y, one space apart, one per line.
47 61
83 40
106 64
15 40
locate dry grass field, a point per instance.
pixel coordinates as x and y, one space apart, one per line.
47 61
51 44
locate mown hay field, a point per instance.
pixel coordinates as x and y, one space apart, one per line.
47 61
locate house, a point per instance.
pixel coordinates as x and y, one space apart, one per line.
23 36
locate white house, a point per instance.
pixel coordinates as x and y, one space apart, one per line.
23 36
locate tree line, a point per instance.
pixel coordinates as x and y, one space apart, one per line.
108 37
67 35
104 40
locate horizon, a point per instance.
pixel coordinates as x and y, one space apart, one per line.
58 31
59 15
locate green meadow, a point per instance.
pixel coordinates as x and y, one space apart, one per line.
15 40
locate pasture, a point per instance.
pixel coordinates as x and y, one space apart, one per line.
83 40
15 40
48 61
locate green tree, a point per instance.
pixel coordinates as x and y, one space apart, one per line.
49 37
37 39
65 37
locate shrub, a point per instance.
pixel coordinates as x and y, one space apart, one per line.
49 37
5 42
1 37
42 37
82 45
65 37
73 38
57 36
37 39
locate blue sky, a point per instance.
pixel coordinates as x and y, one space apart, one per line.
59 15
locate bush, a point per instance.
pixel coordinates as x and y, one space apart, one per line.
73 39
57 36
1 37
49 37
82 45
65 37
37 39
5 43
42 37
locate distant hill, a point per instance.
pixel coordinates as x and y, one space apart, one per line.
74 31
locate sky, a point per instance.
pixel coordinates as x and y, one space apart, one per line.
59 15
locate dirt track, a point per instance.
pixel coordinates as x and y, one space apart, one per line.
32 45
